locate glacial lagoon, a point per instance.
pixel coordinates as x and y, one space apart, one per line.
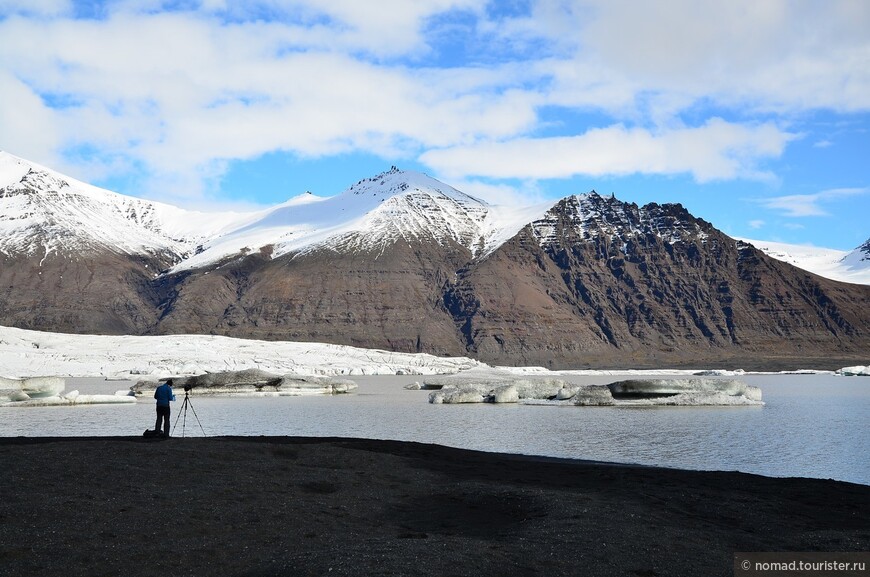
811 425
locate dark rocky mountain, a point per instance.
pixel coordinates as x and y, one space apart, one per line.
600 282
592 281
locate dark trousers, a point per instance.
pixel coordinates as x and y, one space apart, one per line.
163 413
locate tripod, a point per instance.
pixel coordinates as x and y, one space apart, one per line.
183 412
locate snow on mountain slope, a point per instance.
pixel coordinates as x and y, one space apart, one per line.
840 265
42 210
859 259
369 215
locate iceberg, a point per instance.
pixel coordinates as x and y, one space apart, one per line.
857 371
254 383
48 392
658 388
493 387
30 388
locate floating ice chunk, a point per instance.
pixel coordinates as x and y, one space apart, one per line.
30 388
415 386
505 394
693 400
857 371
506 388
685 392
720 373
455 394
493 389
254 382
592 395
72 400
37 387
666 387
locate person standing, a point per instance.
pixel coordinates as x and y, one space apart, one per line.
164 395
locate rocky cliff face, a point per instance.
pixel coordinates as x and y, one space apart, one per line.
404 263
598 282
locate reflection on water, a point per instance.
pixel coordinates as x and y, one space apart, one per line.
811 425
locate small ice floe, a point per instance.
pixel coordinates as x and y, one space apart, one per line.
253 383
719 373
637 392
857 371
48 392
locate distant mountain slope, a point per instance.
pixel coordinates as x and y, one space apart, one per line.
403 262
845 266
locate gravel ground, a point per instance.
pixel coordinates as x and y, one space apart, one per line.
258 506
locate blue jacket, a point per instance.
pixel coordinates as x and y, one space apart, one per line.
164 394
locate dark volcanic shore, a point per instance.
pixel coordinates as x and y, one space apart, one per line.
258 506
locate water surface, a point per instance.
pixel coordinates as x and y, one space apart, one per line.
810 426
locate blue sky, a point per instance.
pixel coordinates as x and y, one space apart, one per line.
754 115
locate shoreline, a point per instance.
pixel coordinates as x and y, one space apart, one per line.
347 506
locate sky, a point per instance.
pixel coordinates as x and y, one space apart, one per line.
753 115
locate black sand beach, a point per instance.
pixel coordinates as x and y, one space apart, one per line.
259 506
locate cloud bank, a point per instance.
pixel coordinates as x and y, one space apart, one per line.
466 87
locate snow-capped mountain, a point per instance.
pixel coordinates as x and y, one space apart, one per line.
403 262
43 211
373 213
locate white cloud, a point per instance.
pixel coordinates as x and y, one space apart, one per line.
666 56
714 151
524 195
180 92
28 128
801 205
756 224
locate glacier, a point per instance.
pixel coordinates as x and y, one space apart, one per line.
25 353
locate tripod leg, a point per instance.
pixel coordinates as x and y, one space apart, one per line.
182 411
197 420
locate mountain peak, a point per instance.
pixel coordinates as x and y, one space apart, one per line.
590 216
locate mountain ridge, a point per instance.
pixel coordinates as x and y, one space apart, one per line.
403 262
182 232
